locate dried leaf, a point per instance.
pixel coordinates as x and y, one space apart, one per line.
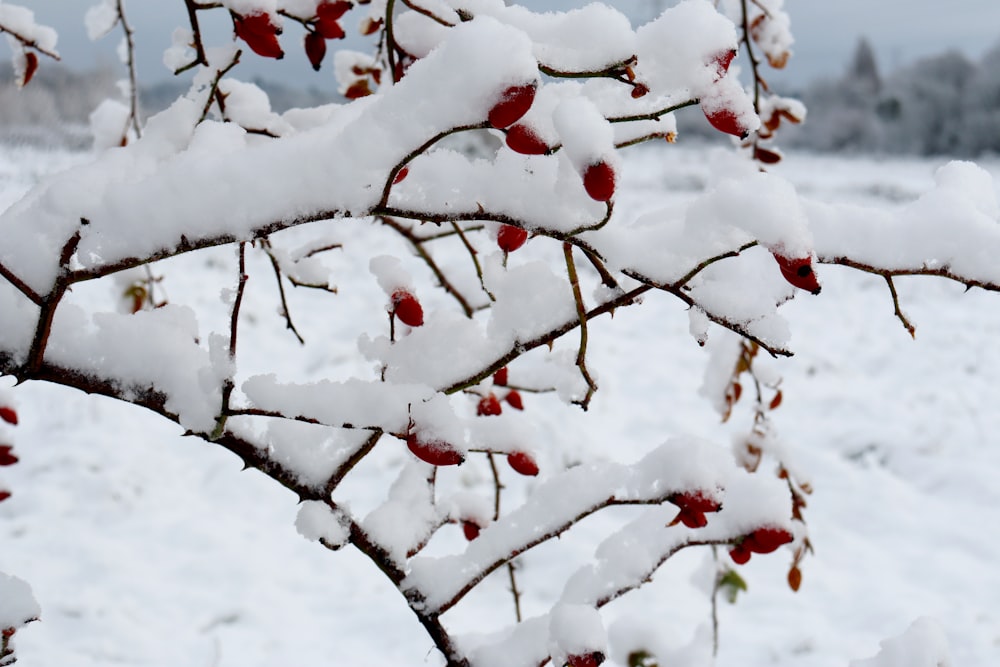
766 155
358 89
776 401
30 66
794 578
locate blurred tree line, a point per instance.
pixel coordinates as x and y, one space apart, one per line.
941 105
54 109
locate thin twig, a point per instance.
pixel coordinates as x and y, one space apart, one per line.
497 489
29 43
213 91
132 77
266 245
428 13
581 312
475 260
234 319
200 58
47 311
912 330
415 241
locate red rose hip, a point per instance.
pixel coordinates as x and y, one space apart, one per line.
514 102
522 139
407 308
523 463
510 238
599 181
435 452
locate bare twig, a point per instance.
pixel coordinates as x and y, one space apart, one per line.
47 311
199 47
28 43
581 312
234 320
266 245
428 13
895 304
417 244
497 492
130 62
213 92
475 260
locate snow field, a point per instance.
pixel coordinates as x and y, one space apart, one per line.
146 548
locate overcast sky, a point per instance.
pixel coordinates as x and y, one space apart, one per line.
826 33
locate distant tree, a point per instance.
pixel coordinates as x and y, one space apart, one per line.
980 132
928 100
863 68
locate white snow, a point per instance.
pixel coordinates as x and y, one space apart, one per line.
19 605
896 436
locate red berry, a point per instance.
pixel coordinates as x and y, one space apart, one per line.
489 406
401 174
639 90
500 377
470 529
328 16
315 49
6 457
514 102
513 399
692 518
523 463
586 660
4 495
407 308
799 272
699 501
510 238
724 120
766 540
721 61
522 139
260 34
435 452
599 181
740 554
9 415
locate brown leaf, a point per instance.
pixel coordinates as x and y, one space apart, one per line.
358 89
794 578
736 390
779 60
30 66
776 401
766 155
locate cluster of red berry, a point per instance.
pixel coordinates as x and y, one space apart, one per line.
761 541
7 457
260 31
598 178
694 504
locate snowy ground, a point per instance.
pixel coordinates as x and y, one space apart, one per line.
146 548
